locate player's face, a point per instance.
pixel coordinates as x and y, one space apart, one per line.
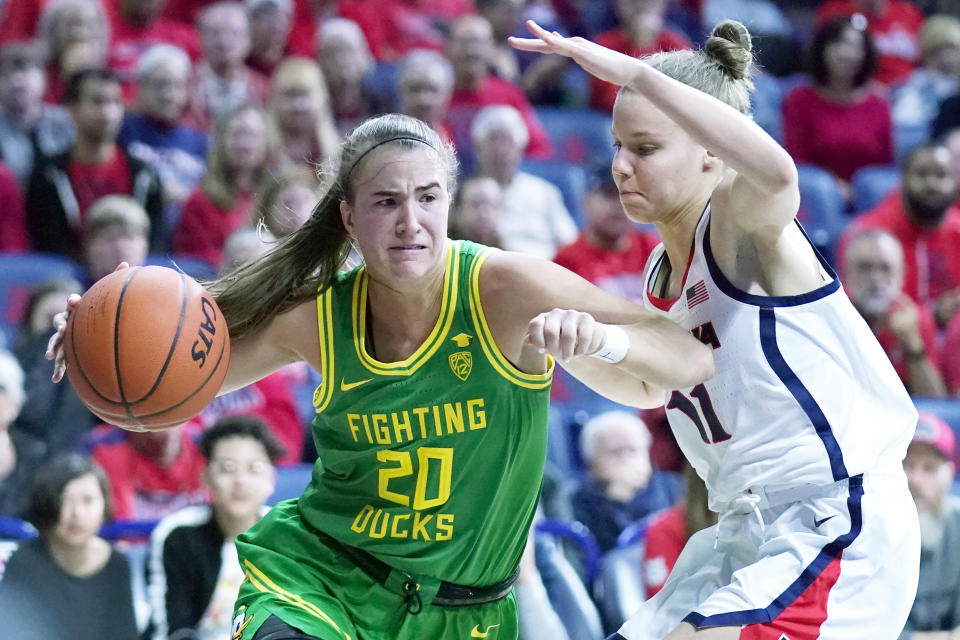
240 477
398 213
81 511
928 475
658 168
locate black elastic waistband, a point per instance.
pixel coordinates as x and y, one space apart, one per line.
448 594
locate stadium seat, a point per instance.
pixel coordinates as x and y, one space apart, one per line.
578 136
821 206
618 589
571 179
568 594
577 533
16 529
906 137
767 105
871 184
19 273
291 481
194 267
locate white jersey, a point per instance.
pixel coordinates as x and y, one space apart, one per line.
803 393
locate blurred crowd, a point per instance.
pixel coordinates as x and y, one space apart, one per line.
196 134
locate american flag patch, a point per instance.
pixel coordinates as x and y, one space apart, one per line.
697 294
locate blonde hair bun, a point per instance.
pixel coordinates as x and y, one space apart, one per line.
729 47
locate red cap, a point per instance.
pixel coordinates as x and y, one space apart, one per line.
934 431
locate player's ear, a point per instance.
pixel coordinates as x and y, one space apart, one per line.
710 161
346 215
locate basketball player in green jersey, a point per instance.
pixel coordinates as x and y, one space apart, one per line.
431 420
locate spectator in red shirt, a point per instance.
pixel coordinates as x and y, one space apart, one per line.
300 116
152 473
222 80
138 25
950 356
841 121
75 34
469 48
62 187
670 530
236 165
610 252
270 22
13 218
345 58
895 26
873 277
116 229
921 216
424 86
641 32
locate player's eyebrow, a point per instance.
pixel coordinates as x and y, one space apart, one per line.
394 192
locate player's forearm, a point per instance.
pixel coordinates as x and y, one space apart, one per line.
721 129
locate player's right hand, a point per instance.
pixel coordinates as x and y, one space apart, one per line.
55 344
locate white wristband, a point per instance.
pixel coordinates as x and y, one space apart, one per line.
615 345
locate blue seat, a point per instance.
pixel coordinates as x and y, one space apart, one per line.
571 179
16 529
871 184
194 267
767 105
19 273
578 136
821 206
291 481
577 533
907 137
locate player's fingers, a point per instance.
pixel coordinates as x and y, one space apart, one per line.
551 332
534 335
122 265
587 331
529 44
569 335
59 369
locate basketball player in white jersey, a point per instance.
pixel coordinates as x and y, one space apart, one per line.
800 434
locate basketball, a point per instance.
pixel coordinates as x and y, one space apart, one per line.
146 348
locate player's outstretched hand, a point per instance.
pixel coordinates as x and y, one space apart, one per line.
597 60
55 344
565 334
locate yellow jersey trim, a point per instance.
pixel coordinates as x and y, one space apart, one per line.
324 392
448 307
490 349
264 584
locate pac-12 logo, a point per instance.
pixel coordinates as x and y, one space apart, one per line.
205 332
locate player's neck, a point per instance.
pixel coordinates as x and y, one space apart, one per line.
400 321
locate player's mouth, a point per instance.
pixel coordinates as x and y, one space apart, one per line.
409 247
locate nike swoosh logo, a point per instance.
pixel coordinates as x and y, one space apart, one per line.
476 633
346 386
819 522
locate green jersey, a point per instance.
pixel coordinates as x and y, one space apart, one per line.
432 464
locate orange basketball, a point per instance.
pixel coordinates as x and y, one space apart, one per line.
147 348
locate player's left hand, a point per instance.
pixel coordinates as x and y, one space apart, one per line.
597 60
565 334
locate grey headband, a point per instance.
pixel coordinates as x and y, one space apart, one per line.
380 144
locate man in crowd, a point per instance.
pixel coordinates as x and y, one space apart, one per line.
64 186
930 470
